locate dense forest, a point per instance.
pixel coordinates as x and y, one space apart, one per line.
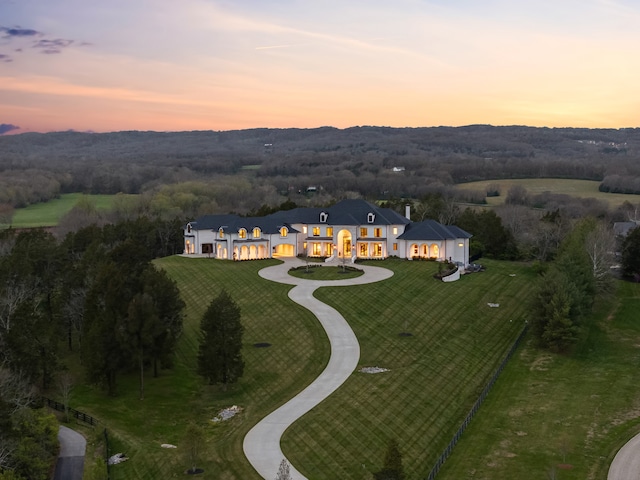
250 168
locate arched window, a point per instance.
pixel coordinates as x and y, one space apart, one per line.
284 231
188 228
256 232
242 233
371 217
323 217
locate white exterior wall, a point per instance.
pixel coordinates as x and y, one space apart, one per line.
292 244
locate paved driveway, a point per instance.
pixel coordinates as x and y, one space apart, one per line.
626 464
71 458
262 443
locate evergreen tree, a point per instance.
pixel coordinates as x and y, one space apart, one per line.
219 355
631 254
392 468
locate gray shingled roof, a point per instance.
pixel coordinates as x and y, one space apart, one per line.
432 230
345 212
233 223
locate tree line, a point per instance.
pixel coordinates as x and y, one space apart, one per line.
94 293
268 164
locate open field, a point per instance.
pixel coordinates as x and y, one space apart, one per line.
429 376
574 188
543 406
568 414
48 214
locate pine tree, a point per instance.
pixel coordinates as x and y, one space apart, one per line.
219 355
392 469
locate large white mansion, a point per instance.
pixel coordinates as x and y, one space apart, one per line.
350 229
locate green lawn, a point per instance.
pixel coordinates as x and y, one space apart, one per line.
568 414
49 214
574 188
434 376
542 408
317 272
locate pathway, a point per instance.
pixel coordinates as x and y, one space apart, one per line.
71 458
626 464
262 443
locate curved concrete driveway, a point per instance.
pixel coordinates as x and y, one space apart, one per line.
262 443
626 464
71 458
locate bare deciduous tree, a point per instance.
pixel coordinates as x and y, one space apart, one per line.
15 389
65 385
600 244
283 471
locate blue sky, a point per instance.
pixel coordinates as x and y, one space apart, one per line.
205 64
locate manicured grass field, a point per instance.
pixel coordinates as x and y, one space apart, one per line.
49 214
434 375
298 352
574 188
544 410
568 414
324 273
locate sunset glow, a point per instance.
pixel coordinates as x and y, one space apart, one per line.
220 65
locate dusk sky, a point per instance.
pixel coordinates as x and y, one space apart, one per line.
170 65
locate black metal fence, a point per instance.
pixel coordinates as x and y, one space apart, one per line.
476 406
83 417
107 454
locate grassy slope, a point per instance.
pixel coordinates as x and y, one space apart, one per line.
552 410
435 375
542 405
272 375
49 213
574 188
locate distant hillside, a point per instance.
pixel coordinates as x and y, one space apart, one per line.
357 159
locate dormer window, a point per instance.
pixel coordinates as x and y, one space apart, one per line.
371 217
284 231
221 233
188 228
242 233
323 217
256 232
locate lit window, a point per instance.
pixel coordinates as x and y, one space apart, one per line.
304 245
242 233
317 249
377 232
363 232
329 231
329 249
377 249
395 246
221 233
284 232
363 249
304 229
256 232
395 230
316 231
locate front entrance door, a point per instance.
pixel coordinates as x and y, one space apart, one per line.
344 243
